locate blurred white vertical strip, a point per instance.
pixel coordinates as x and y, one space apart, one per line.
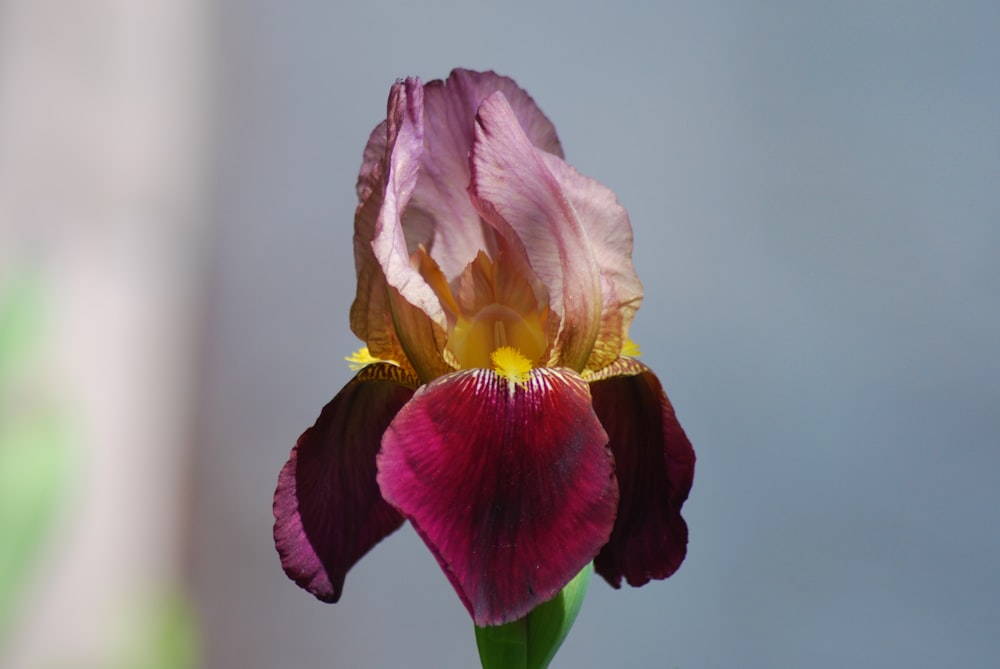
103 116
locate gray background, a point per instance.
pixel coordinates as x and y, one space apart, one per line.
815 192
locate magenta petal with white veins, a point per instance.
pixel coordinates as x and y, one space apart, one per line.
511 485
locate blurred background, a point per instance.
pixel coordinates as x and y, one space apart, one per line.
815 192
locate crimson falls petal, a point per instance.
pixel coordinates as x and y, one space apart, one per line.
327 508
470 461
499 408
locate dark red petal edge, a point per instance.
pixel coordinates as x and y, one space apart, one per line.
328 511
513 490
654 463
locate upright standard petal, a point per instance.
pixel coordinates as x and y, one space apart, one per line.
371 315
395 309
511 485
516 192
328 511
456 234
654 463
610 233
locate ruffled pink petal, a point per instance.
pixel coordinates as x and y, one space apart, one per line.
413 192
519 195
328 511
469 89
654 463
512 489
395 311
440 215
371 313
607 226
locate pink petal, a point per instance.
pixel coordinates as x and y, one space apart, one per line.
371 314
441 195
512 490
520 196
413 192
328 510
469 89
395 311
607 226
654 463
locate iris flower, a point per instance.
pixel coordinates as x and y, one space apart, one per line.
499 406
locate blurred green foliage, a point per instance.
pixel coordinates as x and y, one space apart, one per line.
39 464
36 458
156 631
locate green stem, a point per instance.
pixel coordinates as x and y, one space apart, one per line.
504 646
532 641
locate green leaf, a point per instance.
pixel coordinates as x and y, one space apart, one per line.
20 323
532 641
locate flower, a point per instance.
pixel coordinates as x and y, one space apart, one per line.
498 405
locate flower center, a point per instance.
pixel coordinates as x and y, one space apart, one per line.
474 338
509 364
494 304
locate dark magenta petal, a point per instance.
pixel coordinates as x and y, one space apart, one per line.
328 511
512 489
654 463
